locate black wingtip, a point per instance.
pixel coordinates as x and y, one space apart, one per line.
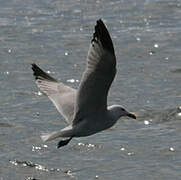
35 68
40 74
101 33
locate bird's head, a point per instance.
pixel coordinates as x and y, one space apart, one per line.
119 111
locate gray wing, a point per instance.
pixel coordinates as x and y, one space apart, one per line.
98 76
63 97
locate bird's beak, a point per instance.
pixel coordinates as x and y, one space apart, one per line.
131 115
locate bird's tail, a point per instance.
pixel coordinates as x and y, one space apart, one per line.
66 132
50 136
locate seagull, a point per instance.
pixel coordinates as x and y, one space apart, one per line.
85 109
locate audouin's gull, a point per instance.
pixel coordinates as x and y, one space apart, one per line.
85 109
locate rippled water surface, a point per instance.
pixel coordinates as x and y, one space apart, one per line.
56 36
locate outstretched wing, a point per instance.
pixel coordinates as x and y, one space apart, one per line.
63 97
98 76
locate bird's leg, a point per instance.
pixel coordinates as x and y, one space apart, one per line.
63 142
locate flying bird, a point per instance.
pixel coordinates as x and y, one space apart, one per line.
85 109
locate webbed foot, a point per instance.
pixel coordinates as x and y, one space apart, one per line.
63 142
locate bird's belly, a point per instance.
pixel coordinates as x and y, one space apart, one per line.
87 128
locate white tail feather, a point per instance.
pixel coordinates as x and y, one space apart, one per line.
66 132
50 136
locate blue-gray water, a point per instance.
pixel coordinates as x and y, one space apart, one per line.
56 36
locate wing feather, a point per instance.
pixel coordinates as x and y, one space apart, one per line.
98 76
62 96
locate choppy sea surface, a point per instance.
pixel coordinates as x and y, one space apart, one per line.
56 35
